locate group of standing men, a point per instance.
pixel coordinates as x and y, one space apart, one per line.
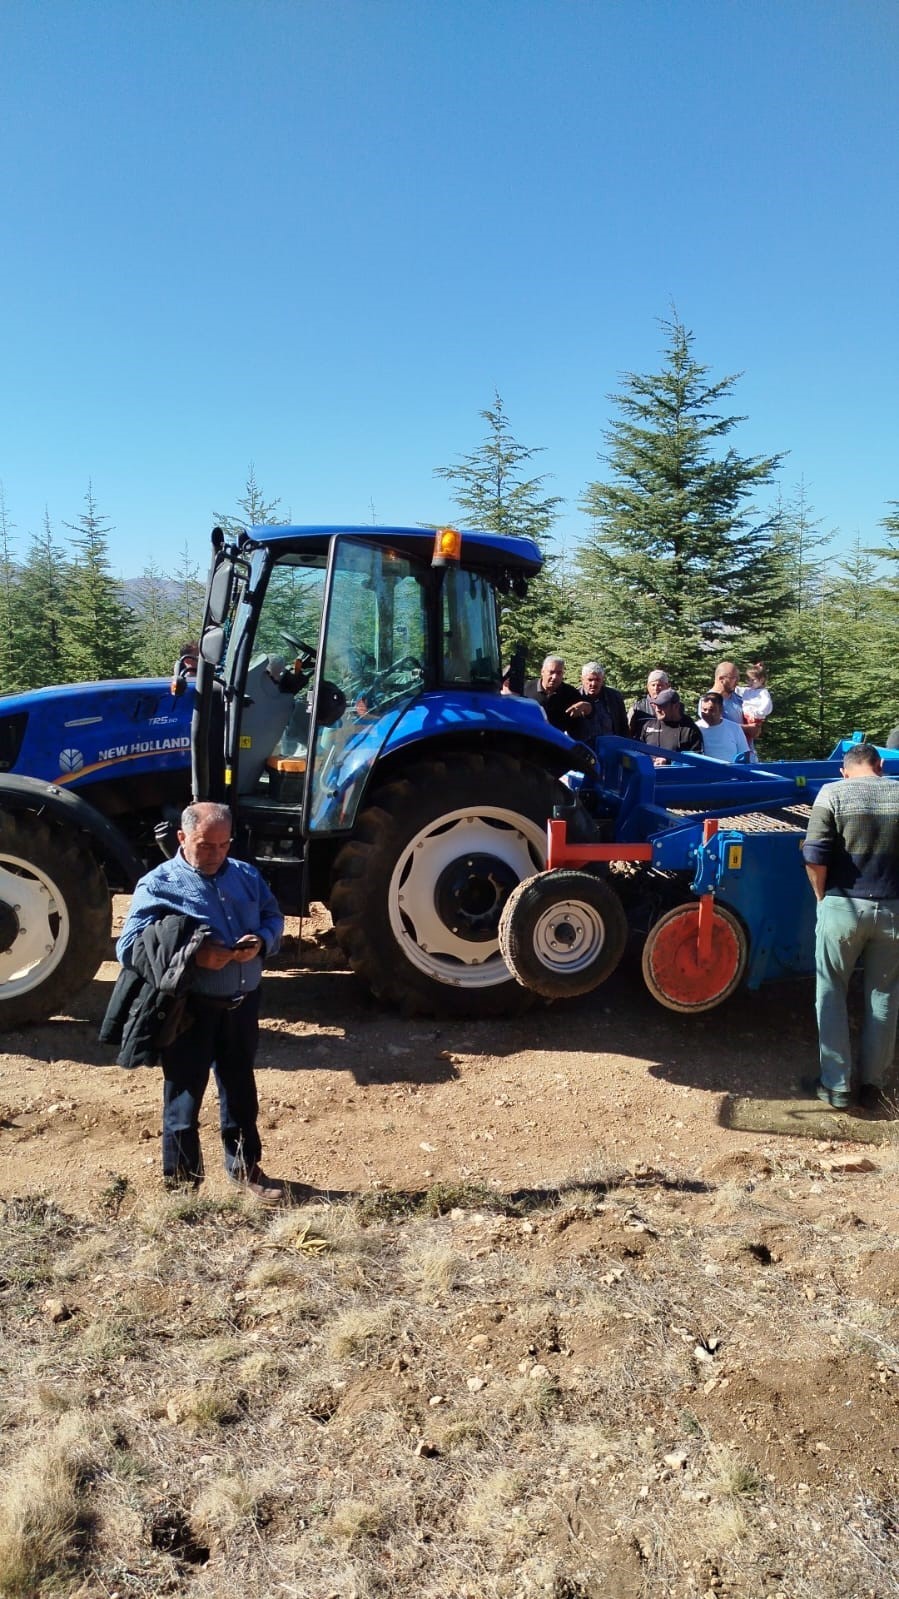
722 728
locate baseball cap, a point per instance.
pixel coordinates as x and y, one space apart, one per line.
668 696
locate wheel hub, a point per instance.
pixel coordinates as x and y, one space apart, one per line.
9 927
568 936
470 893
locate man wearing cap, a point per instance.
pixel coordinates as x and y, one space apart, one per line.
642 711
670 729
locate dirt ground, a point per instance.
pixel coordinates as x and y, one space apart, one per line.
354 1098
698 1263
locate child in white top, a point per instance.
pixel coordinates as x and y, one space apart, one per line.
757 703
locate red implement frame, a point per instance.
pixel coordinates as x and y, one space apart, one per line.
561 853
706 902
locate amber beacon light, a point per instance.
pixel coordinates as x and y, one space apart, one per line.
447 547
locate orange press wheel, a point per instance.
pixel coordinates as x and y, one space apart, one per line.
682 978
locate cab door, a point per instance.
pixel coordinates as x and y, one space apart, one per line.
373 662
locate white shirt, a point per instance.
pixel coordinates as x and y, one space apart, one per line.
757 702
724 742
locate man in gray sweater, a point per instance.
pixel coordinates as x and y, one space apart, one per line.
851 854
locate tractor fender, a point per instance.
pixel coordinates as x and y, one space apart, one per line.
71 811
454 715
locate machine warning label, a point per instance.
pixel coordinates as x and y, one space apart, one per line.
146 746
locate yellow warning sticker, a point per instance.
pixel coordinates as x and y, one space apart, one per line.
246 743
734 857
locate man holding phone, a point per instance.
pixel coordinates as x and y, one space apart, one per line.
231 901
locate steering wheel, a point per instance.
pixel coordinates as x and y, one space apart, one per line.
305 654
374 694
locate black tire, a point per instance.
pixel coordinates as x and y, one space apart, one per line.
562 933
416 896
55 919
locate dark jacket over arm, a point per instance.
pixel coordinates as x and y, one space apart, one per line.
148 1004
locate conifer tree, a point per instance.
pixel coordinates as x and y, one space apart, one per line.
158 634
491 488
889 554
803 547
98 633
256 510
671 571
10 653
42 605
188 594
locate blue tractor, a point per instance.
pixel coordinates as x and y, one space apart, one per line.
346 705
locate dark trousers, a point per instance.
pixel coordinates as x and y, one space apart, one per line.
224 1042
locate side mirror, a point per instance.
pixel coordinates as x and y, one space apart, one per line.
221 590
212 645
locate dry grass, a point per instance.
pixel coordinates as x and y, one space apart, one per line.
636 1392
44 1508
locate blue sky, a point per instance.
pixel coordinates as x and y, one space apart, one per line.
317 236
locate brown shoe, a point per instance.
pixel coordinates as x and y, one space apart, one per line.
261 1188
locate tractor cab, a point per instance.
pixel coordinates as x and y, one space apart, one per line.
315 644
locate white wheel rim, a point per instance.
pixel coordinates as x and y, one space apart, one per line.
44 927
568 936
424 938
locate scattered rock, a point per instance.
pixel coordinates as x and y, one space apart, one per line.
57 1310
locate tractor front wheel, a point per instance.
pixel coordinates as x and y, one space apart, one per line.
418 893
55 919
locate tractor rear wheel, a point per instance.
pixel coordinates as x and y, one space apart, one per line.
563 933
417 894
55 919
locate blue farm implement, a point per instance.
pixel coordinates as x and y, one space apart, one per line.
698 861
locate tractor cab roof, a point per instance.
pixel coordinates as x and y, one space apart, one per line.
487 552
